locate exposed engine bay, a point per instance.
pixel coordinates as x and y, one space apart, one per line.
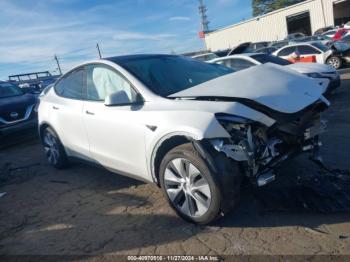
260 149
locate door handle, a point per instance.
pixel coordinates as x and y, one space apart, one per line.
89 113
55 107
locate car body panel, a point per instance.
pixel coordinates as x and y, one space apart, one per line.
289 91
65 116
126 138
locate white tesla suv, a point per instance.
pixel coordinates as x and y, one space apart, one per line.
193 128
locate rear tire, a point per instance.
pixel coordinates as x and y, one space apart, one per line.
54 150
335 62
192 188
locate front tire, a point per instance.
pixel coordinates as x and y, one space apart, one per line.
54 150
192 189
335 62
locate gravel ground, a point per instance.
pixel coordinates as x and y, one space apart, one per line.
85 210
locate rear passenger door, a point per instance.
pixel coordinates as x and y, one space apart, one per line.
66 114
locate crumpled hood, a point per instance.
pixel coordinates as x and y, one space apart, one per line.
271 85
306 68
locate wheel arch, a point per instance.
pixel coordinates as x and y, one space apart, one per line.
163 146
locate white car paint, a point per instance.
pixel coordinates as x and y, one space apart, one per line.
191 141
272 86
119 139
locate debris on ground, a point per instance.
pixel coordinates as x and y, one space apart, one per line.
325 191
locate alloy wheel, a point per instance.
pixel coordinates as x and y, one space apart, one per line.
187 188
51 148
334 62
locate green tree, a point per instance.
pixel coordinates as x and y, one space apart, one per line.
261 7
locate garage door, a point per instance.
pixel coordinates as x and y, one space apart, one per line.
299 23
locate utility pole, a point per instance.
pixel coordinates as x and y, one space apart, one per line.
204 21
99 51
58 64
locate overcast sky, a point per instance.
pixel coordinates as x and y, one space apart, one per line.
33 31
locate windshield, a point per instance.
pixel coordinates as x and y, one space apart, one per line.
7 90
263 58
320 46
167 75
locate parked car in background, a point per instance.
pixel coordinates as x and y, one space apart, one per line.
205 57
346 39
340 33
266 50
341 50
294 36
193 128
279 44
257 45
330 33
319 38
16 109
313 70
324 30
347 25
313 52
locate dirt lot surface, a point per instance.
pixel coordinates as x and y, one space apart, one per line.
86 210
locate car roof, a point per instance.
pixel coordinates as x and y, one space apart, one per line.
303 43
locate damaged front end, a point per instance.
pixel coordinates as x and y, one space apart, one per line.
261 150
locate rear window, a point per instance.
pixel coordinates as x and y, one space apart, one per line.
263 58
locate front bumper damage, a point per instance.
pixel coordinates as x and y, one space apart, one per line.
261 150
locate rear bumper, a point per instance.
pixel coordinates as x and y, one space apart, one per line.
20 126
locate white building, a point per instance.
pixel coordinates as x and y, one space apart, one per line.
304 17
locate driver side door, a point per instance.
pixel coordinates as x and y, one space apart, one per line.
116 137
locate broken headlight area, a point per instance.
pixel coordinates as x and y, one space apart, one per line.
261 149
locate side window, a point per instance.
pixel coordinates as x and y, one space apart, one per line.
287 51
71 86
307 50
240 64
102 81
